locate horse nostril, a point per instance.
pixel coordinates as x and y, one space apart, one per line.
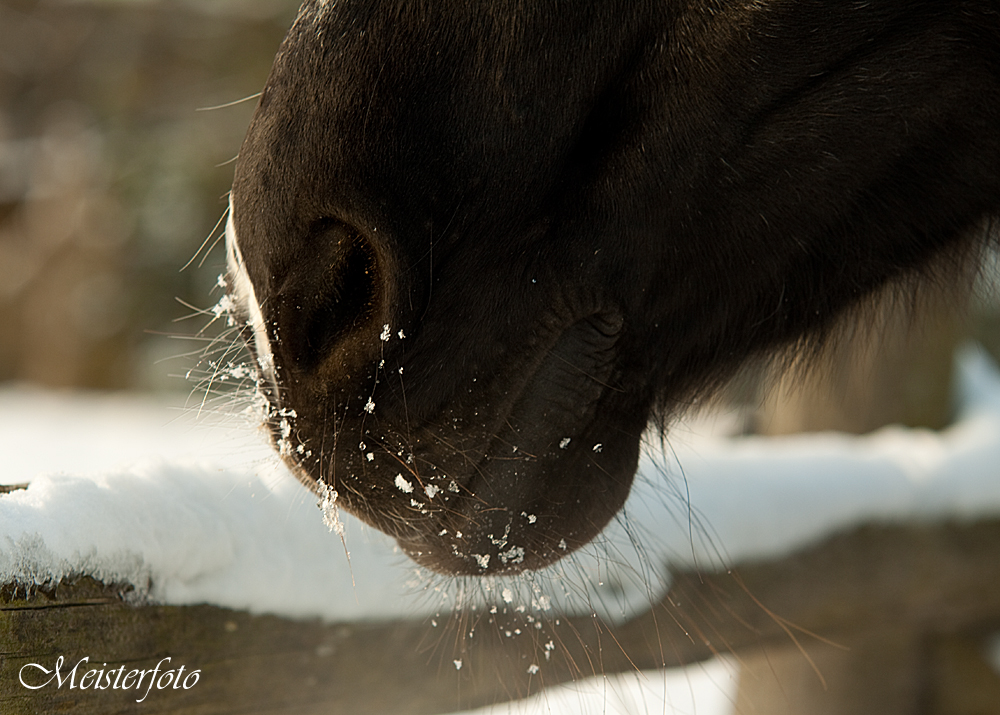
338 289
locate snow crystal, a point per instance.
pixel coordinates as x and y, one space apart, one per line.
239 372
403 485
223 307
431 490
564 442
384 337
502 541
514 555
266 362
370 406
533 669
331 514
283 444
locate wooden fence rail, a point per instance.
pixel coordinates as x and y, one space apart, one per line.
886 619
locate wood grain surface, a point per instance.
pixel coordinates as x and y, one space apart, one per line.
931 583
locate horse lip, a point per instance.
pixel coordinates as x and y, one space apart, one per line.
603 331
551 446
487 548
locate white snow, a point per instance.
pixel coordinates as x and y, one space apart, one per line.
199 510
139 491
704 689
768 496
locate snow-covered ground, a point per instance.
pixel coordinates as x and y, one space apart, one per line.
197 509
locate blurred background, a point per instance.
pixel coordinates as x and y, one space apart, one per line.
113 171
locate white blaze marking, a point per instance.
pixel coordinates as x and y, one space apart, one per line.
245 295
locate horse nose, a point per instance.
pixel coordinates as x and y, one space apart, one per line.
334 299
